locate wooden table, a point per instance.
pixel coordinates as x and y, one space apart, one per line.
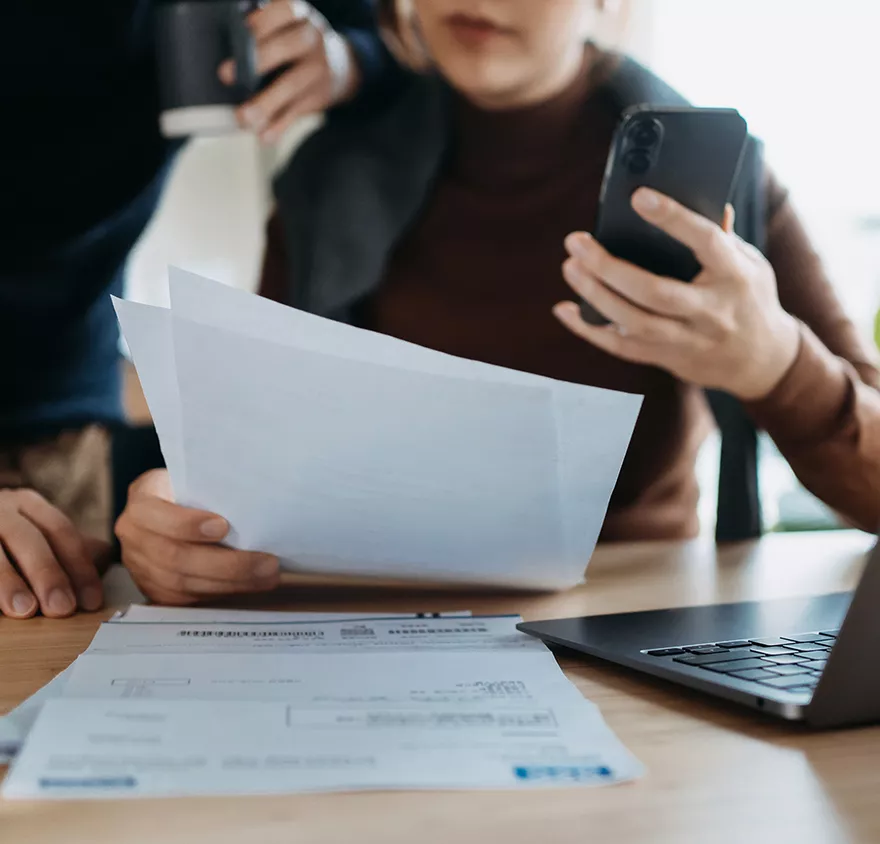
715 773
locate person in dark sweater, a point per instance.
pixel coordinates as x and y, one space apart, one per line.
83 169
481 265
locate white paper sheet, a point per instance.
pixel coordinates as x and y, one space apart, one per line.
15 725
147 330
585 416
588 432
392 634
135 748
440 478
164 709
307 680
339 662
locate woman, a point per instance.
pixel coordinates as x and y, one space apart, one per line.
460 249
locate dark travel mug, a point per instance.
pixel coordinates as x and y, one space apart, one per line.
193 38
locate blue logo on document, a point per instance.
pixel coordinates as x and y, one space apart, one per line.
562 773
88 782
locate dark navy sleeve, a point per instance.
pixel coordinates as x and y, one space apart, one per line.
355 20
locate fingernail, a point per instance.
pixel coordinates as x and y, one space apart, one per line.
644 199
23 603
267 567
573 271
215 528
565 310
91 598
60 602
579 244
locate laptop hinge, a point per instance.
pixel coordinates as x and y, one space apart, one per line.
849 689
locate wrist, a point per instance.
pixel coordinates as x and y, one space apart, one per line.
768 370
344 68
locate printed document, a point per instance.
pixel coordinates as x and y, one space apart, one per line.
134 748
237 707
15 726
407 634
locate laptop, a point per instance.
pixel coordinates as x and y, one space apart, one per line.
805 659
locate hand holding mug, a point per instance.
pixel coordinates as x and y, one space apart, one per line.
313 67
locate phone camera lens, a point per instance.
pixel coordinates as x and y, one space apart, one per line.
645 133
638 161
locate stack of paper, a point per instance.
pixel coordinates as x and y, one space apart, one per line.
345 451
173 706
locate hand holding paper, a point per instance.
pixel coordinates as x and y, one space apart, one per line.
173 552
340 450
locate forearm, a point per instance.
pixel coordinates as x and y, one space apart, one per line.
826 422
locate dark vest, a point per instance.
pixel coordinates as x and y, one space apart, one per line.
354 188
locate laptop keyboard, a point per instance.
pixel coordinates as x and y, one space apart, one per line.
791 663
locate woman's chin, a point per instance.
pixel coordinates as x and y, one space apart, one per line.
484 84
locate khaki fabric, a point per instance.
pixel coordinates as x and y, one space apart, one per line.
71 471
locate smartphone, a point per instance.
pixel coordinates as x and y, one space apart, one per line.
692 155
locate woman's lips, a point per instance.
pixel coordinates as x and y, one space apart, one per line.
474 31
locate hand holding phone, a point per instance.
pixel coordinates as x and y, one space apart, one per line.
661 225
691 155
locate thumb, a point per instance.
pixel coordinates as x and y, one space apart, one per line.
155 483
151 507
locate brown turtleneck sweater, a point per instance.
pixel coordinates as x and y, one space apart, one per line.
479 272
